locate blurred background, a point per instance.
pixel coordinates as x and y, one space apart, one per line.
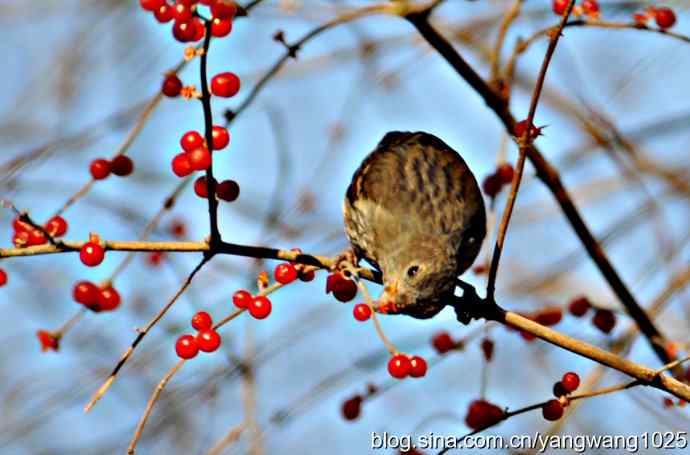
77 75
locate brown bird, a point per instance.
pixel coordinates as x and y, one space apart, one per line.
415 212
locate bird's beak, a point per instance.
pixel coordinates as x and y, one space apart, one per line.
389 296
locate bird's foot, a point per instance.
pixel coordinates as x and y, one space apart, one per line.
345 260
470 306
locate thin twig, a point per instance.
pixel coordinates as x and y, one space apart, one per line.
525 142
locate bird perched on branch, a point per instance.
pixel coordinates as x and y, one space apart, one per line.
415 212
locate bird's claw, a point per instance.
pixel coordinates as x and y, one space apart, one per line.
346 259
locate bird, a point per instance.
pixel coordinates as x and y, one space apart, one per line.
414 211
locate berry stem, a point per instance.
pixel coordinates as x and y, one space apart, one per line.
208 134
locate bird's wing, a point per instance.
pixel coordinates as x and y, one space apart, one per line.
410 182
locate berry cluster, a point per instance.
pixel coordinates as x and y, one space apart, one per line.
588 8
258 306
302 273
24 234
401 365
553 409
494 183
603 319
206 339
92 253
95 298
195 156
121 166
343 288
664 17
188 26
483 414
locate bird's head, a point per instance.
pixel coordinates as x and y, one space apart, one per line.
417 278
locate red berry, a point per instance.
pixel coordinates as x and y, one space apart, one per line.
579 306
549 316
186 347
221 27
178 228
18 225
122 165
208 340
155 258
151 5
285 273
399 366
361 312
559 390
604 320
552 410
488 349
307 276
418 367
492 185
225 84
668 403
343 288
201 187
200 158
202 321
482 414
520 127
49 342
184 31
260 307
505 173
20 239
570 381
529 337
242 299
559 7
181 165
228 190
191 140
100 169
3 277
91 254
36 237
220 137
182 11
443 342
172 86
640 18
56 226
108 299
352 407
199 29
86 293
590 8
664 17
223 9
164 13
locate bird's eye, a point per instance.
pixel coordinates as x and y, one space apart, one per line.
412 271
